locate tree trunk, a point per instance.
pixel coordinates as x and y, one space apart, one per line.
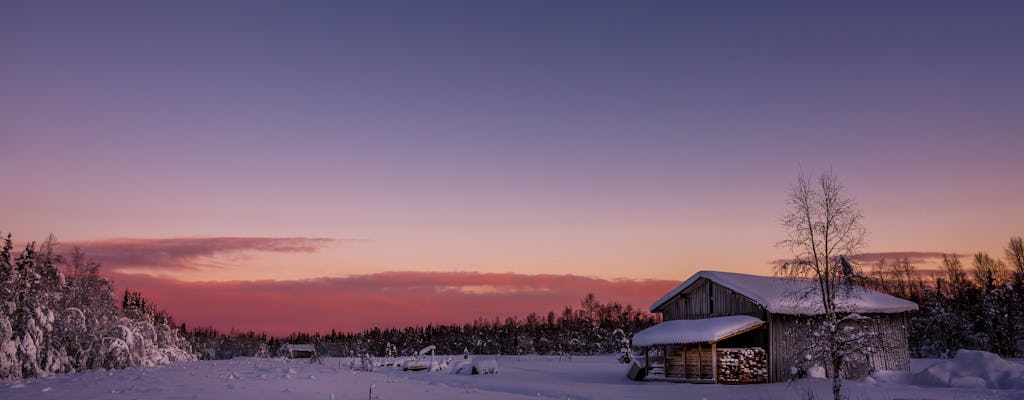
837 378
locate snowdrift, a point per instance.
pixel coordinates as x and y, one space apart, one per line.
973 369
475 366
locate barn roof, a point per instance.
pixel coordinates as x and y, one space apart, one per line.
682 331
777 294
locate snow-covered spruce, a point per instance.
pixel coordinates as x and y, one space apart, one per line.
57 322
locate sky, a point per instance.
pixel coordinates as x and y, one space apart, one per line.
527 152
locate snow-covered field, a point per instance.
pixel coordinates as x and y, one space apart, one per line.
519 377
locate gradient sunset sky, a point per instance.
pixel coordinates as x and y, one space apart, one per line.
389 163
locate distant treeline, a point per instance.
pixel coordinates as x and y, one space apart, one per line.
980 309
593 328
58 315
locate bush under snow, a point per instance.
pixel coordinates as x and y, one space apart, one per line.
475 366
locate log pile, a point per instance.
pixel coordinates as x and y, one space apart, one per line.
746 365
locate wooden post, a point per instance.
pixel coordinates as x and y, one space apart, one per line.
714 361
684 361
664 356
700 372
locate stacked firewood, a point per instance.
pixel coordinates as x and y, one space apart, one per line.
746 365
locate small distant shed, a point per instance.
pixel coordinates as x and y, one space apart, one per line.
293 350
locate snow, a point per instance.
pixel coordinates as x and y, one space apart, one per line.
816 372
464 367
974 369
485 365
426 350
521 377
683 331
299 347
776 294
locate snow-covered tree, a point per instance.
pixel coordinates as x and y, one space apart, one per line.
823 227
10 367
55 322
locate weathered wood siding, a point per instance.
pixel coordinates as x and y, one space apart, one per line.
692 361
706 299
788 338
894 354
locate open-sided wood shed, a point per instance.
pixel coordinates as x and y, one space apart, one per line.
294 350
722 327
690 350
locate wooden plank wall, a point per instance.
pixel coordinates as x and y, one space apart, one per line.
692 361
787 343
894 354
784 339
696 303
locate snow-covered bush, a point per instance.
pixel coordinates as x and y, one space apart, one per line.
464 367
485 365
366 363
474 366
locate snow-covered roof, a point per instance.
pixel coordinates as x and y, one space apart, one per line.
682 331
299 347
777 294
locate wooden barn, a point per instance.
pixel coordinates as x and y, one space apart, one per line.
723 327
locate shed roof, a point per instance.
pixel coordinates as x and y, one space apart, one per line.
777 294
682 331
299 347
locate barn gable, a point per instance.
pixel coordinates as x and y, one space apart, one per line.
775 295
705 298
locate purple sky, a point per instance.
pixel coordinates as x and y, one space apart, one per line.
642 140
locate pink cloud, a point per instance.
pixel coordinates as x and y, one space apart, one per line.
867 260
389 299
189 253
915 257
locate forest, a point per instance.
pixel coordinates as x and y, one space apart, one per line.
976 307
593 328
59 314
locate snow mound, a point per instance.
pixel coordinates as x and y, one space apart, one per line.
485 365
462 368
816 372
974 369
475 366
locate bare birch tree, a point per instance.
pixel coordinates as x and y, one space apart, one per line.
1015 255
823 228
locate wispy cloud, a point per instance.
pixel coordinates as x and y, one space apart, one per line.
868 259
389 299
912 256
189 253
